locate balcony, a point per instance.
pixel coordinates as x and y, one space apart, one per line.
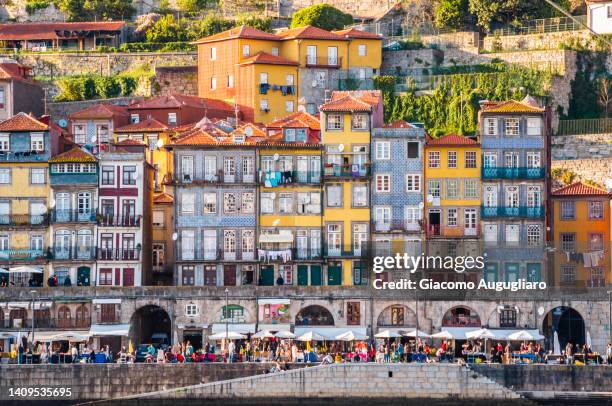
72 216
285 90
24 220
22 255
459 231
536 212
512 173
288 254
215 255
24 156
337 251
323 62
207 178
347 170
52 323
396 226
117 254
109 220
73 253
279 178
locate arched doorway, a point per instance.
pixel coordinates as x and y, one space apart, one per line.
568 324
461 316
150 324
314 316
396 316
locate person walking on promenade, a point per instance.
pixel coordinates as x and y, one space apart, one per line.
609 354
231 347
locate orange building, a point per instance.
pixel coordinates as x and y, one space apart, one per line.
581 230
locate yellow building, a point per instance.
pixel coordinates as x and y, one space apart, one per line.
581 235
290 210
26 144
266 74
348 119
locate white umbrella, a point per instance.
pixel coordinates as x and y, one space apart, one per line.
387 334
69 336
588 339
556 345
482 333
263 334
285 334
351 336
4 270
311 336
413 333
443 335
25 269
231 335
524 335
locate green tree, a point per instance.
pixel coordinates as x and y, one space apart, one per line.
167 29
209 25
322 16
190 5
451 13
508 11
252 20
90 10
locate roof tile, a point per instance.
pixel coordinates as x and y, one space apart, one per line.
148 125
359 34
75 154
268 59
309 32
22 122
452 140
243 31
580 189
98 111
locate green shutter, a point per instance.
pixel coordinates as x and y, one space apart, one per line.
302 275
534 272
83 275
315 275
267 276
334 275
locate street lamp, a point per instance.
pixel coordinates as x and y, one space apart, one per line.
32 292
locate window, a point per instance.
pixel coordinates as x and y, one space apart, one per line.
434 159
596 210
289 80
275 51
433 188
471 188
470 159
412 215
609 13
188 275
171 118
4 142
247 203
534 234
334 196
213 53
507 318
37 176
383 183
106 276
191 310
209 201
37 142
311 108
533 159
360 195
248 241
383 150
512 126
230 81
290 134
289 106
213 83
135 118
267 203
490 126
568 210
159 251
452 159
129 175
210 275
187 203
568 274
285 203
512 234
353 315
534 196
263 105
452 188
158 218
229 241
451 217
79 133
187 168
334 122
302 135
229 203
5 176
413 183
2 98
362 49
596 242
534 126
359 121
512 196
308 202
246 50
568 242
108 175
311 55
413 150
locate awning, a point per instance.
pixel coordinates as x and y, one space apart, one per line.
280 237
27 305
503 334
275 327
8 334
48 336
329 332
274 301
500 334
398 330
42 305
106 301
18 305
109 330
242 328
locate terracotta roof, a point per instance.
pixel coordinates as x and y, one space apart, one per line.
399 124
162 198
256 131
15 71
75 154
299 119
271 142
148 125
452 140
22 122
580 189
130 142
99 111
355 100
243 31
355 33
180 100
24 31
309 32
268 59
527 105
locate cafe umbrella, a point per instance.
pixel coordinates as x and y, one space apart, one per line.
351 336
231 335
443 335
524 335
284 334
263 334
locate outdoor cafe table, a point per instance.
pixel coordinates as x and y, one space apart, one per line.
472 357
518 358
591 358
555 358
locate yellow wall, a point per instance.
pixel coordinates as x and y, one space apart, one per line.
256 46
277 75
346 136
373 57
296 50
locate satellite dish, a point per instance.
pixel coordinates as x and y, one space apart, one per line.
160 143
174 236
52 203
541 311
94 139
341 147
273 195
430 198
62 123
421 205
276 157
314 83
248 131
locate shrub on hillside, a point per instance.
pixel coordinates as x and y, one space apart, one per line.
322 16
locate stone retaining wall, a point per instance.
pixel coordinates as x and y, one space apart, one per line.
176 79
598 170
584 146
62 110
549 40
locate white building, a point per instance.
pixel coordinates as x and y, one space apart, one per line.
599 16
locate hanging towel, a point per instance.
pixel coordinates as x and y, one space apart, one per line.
587 259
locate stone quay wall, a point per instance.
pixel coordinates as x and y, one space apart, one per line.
587 146
176 79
